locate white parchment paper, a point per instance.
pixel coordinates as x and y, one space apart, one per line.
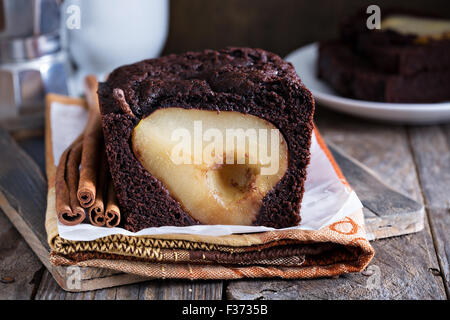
326 199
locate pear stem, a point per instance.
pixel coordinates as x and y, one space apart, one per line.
119 96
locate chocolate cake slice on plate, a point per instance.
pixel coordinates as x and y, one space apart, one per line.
407 60
356 77
211 137
408 42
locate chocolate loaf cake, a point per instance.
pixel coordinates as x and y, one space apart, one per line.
408 42
354 76
235 87
407 60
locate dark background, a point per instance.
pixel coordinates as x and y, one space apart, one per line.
279 26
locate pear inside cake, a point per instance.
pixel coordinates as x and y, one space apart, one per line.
420 26
217 165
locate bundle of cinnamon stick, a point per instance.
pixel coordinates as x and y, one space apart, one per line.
83 187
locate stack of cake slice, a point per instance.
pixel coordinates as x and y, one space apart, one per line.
407 60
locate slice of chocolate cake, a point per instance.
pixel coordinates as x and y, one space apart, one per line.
166 122
407 43
354 76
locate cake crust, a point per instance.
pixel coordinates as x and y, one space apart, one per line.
250 81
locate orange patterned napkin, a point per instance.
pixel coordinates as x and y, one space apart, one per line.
338 248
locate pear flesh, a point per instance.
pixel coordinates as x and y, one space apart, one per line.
424 27
217 165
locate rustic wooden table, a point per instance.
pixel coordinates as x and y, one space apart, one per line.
414 160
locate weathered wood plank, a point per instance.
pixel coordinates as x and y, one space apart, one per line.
23 192
431 149
35 148
387 212
181 290
50 290
354 172
18 263
382 148
150 290
440 222
91 278
168 290
405 264
386 150
397 272
129 292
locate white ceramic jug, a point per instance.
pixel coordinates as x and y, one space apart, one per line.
114 32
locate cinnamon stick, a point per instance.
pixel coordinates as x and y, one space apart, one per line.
90 88
91 147
73 175
91 186
112 207
97 211
62 193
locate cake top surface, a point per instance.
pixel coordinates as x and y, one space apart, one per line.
232 70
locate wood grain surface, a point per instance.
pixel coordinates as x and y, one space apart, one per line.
431 150
411 160
389 213
404 267
412 266
19 265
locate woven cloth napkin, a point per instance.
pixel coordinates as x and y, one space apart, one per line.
340 247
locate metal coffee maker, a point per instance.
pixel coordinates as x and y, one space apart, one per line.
32 62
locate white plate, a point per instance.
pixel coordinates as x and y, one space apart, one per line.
304 61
